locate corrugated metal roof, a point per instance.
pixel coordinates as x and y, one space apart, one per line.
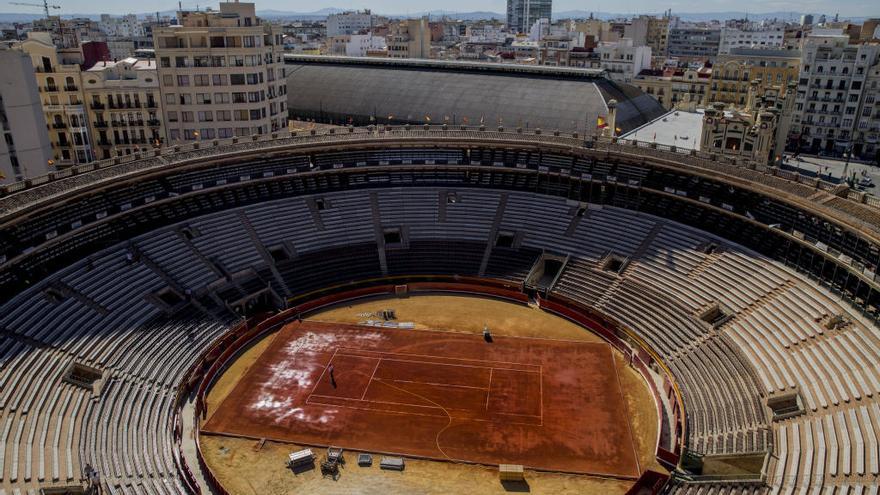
340 92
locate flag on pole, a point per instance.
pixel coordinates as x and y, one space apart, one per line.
600 122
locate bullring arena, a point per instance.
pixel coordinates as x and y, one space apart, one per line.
612 317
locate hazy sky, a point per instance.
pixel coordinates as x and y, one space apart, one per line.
861 8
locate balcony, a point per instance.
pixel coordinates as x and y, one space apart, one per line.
151 104
123 106
104 142
59 125
154 123
101 124
50 88
97 106
70 88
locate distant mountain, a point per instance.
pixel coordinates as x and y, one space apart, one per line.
467 16
700 16
316 15
434 14
464 16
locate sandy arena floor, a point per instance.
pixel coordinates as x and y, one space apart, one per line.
247 467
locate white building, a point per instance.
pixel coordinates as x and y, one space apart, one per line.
539 29
867 137
834 96
350 23
359 45
732 37
486 33
127 26
24 150
622 60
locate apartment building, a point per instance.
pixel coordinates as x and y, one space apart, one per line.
866 140
351 23
831 94
694 43
649 31
622 60
24 147
686 89
734 72
758 37
126 26
59 78
221 74
124 106
410 39
522 14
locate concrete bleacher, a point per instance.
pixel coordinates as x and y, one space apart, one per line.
100 314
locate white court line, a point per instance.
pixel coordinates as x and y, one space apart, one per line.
448 364
541 389
429 383
322 373
380 359
403 413
406 404
371 378
489 388
434 356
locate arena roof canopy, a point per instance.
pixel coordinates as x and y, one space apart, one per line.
360 91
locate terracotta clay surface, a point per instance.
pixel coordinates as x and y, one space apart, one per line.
546 404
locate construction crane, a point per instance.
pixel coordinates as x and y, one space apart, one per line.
45 5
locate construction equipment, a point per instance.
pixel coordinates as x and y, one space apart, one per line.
45 5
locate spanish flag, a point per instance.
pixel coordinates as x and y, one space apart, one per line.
600 122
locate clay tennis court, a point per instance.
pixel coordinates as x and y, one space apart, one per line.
546 404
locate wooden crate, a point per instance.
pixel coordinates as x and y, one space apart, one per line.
510 472
300 458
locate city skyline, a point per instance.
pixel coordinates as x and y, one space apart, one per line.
845 8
